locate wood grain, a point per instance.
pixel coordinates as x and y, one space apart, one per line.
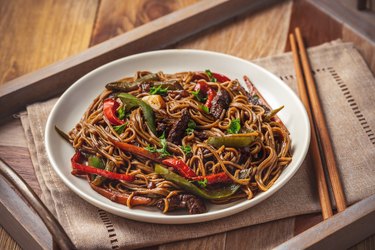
304 222
39 33
340 231
364 46
11 133
115 18
345 12
53 80
317 26
211 242
262 236
6 242
21 221
242 38
19 158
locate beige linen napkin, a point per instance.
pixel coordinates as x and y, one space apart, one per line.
346 87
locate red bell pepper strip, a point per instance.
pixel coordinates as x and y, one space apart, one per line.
203 87
84 169
175 163
122 198
214 178
137 150
109 110
210 96
220 77
180 166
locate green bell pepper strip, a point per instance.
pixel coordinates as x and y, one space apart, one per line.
216 194
272 113
234 140
131 101
122 85
81 169
96 162
170 84
254 91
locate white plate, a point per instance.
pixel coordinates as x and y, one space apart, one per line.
73 103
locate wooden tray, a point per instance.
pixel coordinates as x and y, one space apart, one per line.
215 25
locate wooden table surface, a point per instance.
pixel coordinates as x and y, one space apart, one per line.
36 33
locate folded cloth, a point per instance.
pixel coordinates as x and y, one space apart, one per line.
346 88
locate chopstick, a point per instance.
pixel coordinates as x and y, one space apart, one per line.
325 202
321 126
319 123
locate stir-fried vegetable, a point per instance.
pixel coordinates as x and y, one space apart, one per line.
125 85
220 77
163 150
214 194
155 101
234 141
272 113
234 126
191 127
131 101
254 92
214 178
169 84
120 197
203 88
97 162
180 166
186 149
79 169
109 109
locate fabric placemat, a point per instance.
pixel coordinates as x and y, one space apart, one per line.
346 88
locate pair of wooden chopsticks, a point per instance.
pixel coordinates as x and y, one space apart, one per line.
309 96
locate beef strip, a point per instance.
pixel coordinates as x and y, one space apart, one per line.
145 87
178 129
162 127
193 204
220 102
253 99
201 135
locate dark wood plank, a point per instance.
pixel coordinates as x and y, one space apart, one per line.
53 80
345 12
213 242
116 17
36 33
244 37
20 221
306 221
368 243
366 48
19 159
341 231
263 236
317 27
